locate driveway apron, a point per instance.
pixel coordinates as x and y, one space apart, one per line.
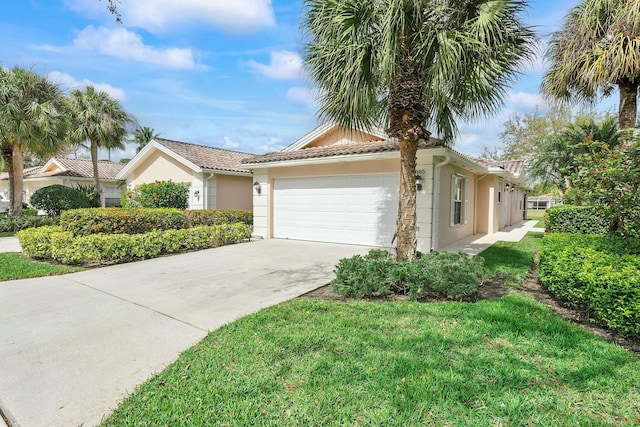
73 346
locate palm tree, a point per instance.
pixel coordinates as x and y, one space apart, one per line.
99 119
32 119
142 136
596 50
413 65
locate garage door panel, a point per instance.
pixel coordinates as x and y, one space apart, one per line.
351 209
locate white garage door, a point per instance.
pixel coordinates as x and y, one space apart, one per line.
358 210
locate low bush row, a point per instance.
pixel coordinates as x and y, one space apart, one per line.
84 222
442 274
9 224
600 273
57 244
577 220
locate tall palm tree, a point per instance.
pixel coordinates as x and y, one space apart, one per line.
143 135
99 119
32 119
413 65
597 49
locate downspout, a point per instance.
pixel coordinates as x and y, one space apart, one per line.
205 191
435 213
475 197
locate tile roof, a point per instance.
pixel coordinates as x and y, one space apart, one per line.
207 157
515 167
329 151
79 168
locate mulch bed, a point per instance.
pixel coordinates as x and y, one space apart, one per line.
495 288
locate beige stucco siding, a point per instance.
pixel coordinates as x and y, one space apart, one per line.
160 166
485 205
109 188
448 233
234 192
339 136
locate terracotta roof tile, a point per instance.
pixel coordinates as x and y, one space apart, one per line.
513 166
328 151
207 157
80 168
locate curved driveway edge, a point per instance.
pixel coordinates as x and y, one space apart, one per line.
9 244
73 346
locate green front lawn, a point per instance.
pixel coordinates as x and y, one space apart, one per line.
14 266
504 362
7 234
537 214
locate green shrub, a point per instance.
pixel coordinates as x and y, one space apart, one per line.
219 216
62 246
82 222
577 220
56 198
16 223
90 192
600 273
36 242
440 274
159 194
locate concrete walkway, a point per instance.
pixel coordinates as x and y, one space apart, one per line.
73 346
9 244
477 243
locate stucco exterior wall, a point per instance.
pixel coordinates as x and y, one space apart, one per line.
340 136
448 233
262 204
109 188
234 192
485 202
160 166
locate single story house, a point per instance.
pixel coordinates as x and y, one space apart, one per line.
214 178
69 172
340 186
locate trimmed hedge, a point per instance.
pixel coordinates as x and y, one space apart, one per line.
83 222
56 198
576 220
444 274
62 246
600 273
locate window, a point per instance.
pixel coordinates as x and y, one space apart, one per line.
457 200
500 192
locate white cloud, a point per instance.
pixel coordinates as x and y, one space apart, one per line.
228 143
284 65
121 43
69 83
163 15
273 144
528 100
467 138
304 96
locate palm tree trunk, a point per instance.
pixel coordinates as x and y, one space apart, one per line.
628 108
7 156
94 161
15 206
407 114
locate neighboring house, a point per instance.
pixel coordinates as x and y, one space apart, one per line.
342 187
541 202
69 172
213 175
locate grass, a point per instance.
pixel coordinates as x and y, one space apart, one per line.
14 266
7 234
537 214
315 363
509 361
512 260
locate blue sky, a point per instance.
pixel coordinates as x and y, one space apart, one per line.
224 73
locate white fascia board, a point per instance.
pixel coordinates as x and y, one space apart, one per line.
321 160
456 159
226 172
144 153
53 161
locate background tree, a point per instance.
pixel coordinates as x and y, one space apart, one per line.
412 65
597 49
143 135
99 119
32 120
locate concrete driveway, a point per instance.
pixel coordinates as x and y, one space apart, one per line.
73 346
